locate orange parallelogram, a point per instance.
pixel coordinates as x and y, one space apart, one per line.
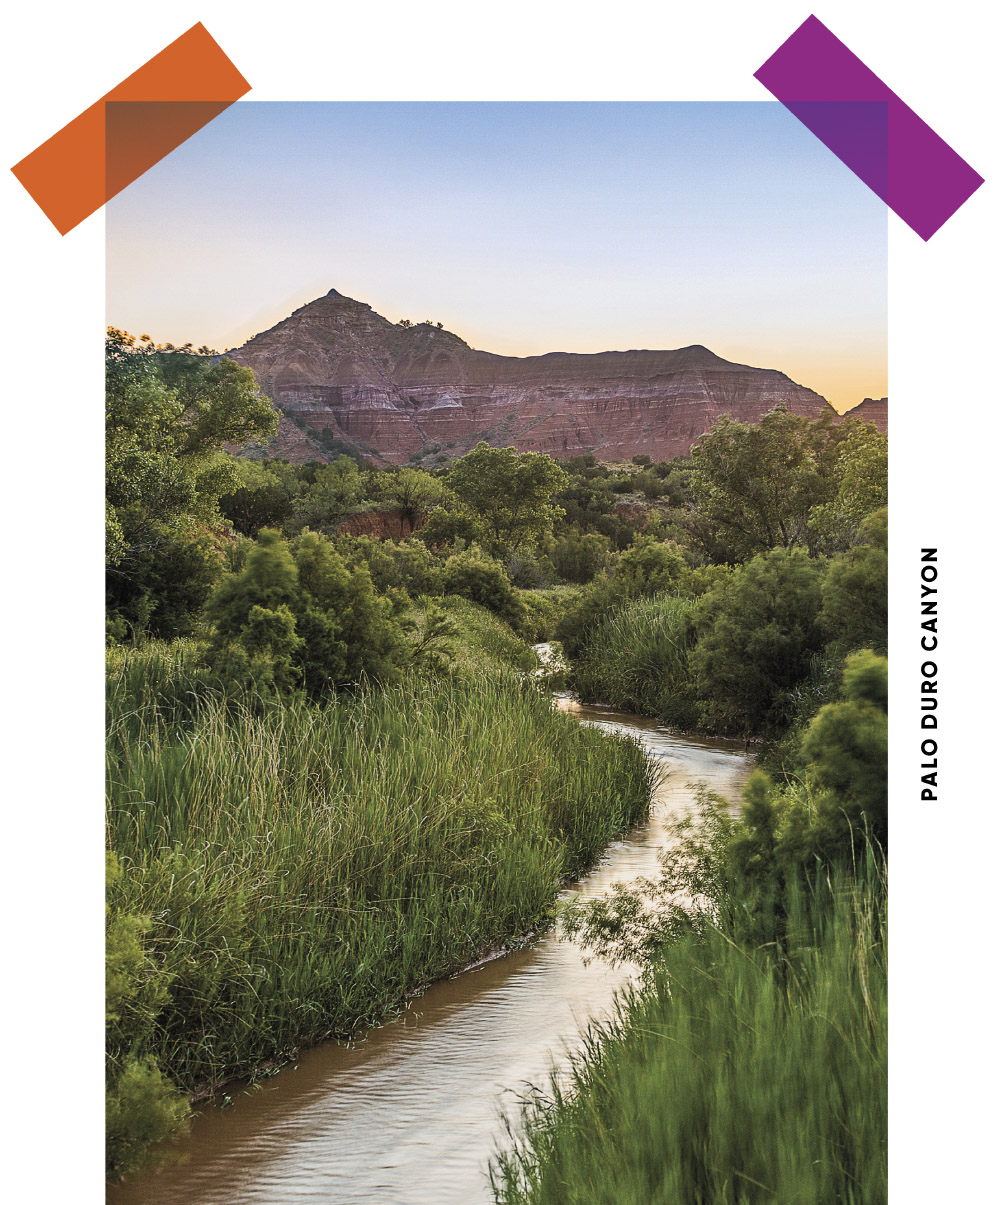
131 128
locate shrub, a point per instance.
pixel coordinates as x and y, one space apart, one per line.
757 630
306 621
472 575
647 568
579 556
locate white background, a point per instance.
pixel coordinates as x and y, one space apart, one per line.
943 318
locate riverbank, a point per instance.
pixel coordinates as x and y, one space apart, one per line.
738 1076
290 873
752 1065
410 1113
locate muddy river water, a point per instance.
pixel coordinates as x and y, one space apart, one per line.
411 1115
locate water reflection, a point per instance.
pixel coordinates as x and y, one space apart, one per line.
410 1115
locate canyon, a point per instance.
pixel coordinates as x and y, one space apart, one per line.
345 379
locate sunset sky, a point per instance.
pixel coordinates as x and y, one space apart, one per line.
524 228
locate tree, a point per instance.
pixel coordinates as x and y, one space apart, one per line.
302 618
510 492
263 497
334 493
856 591
755 485
861 479
167 418
846 752
413 493
757 632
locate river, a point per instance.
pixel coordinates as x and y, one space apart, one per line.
411 1115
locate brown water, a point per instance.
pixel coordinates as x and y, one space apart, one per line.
411 1115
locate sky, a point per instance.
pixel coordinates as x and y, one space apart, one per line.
522 227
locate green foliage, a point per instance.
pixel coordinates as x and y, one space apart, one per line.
756 634
335 493
474 576
162 583
485 642
528 570
305 621
437 634
141 1109
645 569
845 750
167 418
636 659
510 492
738 1076
756 484
405 565
580 556
856 592
297 870
262 497
861 479
414 493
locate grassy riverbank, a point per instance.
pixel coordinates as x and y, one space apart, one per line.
292 870
737 1076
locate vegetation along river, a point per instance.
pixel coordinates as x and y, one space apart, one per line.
411 1115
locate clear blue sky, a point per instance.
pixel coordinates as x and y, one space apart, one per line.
522 227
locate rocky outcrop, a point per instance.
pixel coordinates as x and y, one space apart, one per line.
872 410
343 376
381 524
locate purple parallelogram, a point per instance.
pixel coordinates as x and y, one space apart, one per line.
868 127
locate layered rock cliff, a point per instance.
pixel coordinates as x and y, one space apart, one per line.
343 376
872 410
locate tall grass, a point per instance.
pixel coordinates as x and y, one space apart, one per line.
637 660
299 868
735 1077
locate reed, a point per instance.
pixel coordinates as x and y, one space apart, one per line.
299 868
735 1076
637 660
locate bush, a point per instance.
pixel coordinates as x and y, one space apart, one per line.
856 593
579 556
305 621
141 1108
473 576
408 565
757 630
647 568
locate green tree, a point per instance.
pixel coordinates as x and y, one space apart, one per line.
263 496
414 493
306 620
758 630
861 480
755 484
511 492
846 753
856 592
167 418
334 494
476 577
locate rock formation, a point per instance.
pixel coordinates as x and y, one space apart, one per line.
872 410
345 378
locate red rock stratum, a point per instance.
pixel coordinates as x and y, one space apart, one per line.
342 374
